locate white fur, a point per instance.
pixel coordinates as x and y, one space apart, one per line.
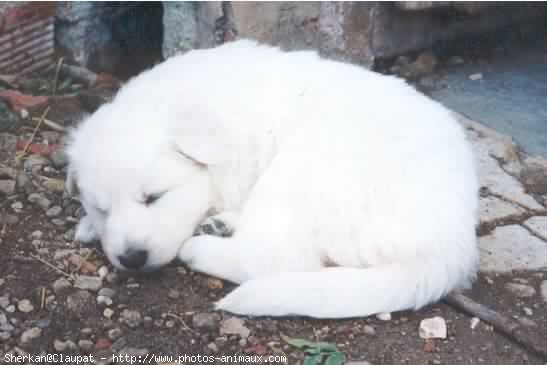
323 163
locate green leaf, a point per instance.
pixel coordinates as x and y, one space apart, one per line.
326 347
335 358
313 360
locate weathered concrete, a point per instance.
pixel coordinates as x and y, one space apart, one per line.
538 225
510 248
492 210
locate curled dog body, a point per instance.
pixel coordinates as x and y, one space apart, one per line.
346 193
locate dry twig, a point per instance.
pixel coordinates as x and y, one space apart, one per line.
51 124
184 325
51 266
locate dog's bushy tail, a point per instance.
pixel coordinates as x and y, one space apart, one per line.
348 292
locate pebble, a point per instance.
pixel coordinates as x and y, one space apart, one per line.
59 158
433 328
213 347
17 206
543 290
103 300
10 308
85 282
114 333
79 302
205 320
384 316
4 301
54 211
2 281
25 306
86 331
85 345
37 235
7 187
61 284
528 311
475 77
103 273
108 313
132 318
62 346
474 322
23 182
521 290
369 330
234 326
107 292
30 334
5 326
40 200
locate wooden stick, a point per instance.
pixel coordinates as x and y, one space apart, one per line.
79 74
509 327
51 266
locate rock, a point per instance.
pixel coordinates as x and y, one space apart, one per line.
103 273
34 163
492 209
7 187
85 345
433 328
40 200
102 300
17 206
54 185
205 320
61 284
132 318
30 334
114 333
4 301
25 306
37 235
59 158
528 311
5 326
474 322
384 316
23 182
173 294
107 292
509 248
62 346
543 290
108 313
234 326
54 211
538 225
534 176
80 302
213 347
9 120
475 77
521 290
369 330
85 282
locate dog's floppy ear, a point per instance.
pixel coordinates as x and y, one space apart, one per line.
199 135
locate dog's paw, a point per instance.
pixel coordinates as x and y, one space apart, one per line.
85 232
215 226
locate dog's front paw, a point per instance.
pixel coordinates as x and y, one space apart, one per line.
215 225
85 231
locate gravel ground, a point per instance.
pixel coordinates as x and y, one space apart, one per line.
57 297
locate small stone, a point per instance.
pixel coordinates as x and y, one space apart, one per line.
30 334
213 347
25 306
59 158
433 328
234 326
23 182
170 323
132 318
384 316
108 313
42 323
4 336
214 284
543 290
39 200
475 77
85 345
114 333
7 187
103 273
10 308
205 320
61 284
173 294
17 206
86 331
2 281
103 300
527 322
107 292
62 346
4 301
474 322
528 311
521 290
369 330
54 211
37 235
79 303
54 185
86 282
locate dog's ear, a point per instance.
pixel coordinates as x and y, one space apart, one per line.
199 135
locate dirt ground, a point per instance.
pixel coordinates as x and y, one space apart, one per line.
43 308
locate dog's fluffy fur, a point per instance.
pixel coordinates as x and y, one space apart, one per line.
350 193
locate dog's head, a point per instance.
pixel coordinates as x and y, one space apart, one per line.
143 179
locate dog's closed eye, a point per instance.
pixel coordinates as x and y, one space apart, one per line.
149 199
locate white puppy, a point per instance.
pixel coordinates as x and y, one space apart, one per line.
349 193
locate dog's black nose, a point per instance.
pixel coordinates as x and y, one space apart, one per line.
133 259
